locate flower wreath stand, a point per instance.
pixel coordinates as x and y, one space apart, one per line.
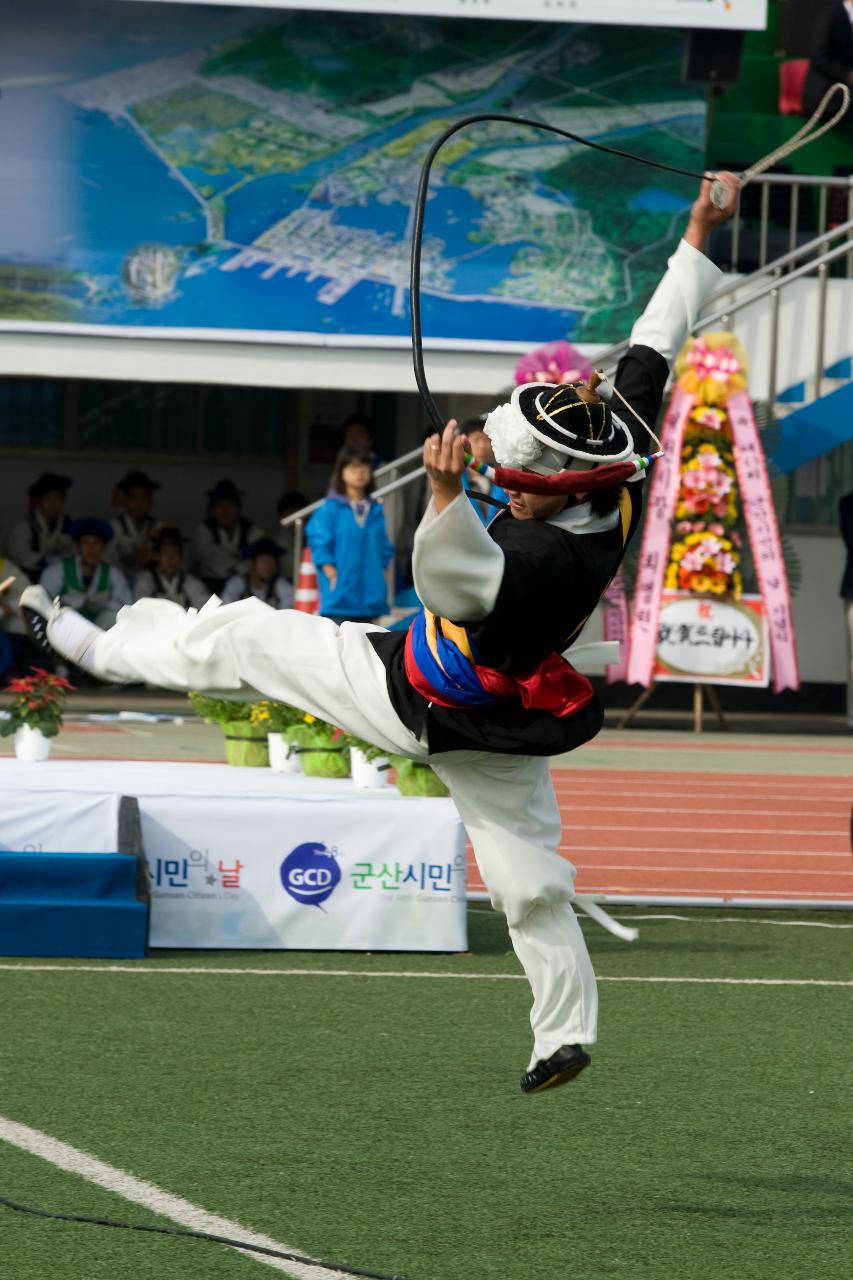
710 517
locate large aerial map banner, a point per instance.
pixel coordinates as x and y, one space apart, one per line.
200 168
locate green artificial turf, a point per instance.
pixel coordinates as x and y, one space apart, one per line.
378 1121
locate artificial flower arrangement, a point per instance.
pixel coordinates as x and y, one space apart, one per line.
245 745
707 487
705 562
705 555
557 362
712 368
35 713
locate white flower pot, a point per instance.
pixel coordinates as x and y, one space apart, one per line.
368 773
284 757
31 744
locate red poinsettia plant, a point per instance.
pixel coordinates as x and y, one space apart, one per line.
38 701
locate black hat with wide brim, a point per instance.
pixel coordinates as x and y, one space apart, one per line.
49 482
93 526
224 489
167 535
137 480
571 427
263 547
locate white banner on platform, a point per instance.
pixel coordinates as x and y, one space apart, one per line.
32 822
341 876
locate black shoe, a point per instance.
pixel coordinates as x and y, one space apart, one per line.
562 1066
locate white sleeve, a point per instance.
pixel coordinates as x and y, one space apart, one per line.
674 306
457 567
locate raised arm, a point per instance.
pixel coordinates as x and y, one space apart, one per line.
672 311
457 567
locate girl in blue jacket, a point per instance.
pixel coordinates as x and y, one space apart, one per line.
350 544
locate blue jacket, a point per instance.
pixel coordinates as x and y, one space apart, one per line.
484 510
360 554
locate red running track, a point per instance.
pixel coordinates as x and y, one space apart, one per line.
705 835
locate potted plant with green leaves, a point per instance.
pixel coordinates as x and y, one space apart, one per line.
278 721
414 778
321 747
369 765
245 744
35 713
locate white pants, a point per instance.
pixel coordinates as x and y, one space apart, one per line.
507 803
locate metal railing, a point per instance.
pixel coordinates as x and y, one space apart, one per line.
812 257
802 206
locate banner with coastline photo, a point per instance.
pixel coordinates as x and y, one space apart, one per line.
201 169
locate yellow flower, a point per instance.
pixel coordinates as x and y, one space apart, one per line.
309 719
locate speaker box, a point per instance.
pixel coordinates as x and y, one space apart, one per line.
712 57
796 24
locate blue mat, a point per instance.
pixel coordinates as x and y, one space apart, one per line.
71 904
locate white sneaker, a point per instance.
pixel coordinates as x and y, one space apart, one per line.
58 629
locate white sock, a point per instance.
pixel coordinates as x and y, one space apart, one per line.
73 636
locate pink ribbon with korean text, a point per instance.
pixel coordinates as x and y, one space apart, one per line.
764 541
654 549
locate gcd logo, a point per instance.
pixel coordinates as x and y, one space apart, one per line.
310 874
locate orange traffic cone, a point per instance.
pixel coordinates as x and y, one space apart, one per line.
307 596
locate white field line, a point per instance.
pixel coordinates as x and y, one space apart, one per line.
404 973
777 924
155 1199
648 915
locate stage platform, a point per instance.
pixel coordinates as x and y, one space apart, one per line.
244 858
648 816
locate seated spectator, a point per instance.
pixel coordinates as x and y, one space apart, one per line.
350 544
481 448
166 578
831 56
288 504
133 527
11 622
43 538
261 578
86 581
220 541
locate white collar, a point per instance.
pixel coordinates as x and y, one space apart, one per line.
580 519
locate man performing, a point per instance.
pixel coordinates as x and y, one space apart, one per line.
478 686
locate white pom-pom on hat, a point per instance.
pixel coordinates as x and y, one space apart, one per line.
512 442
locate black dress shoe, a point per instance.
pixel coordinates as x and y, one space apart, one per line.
562 1066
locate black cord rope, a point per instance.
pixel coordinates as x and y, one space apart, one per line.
199 1235
420 213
